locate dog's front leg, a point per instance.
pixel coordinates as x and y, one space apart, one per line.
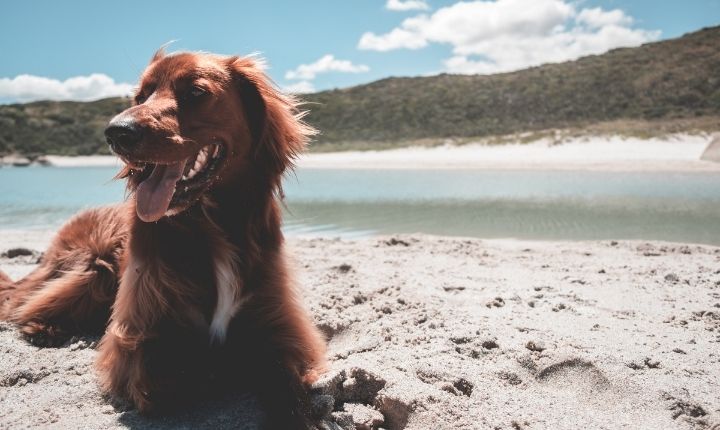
121 360
121 366
154 351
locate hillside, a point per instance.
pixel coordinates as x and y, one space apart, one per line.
675 81
677 78
62 128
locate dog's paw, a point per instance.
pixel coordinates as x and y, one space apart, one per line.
338 421
323 417
44 335
321 405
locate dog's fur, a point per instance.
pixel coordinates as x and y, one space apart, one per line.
203 298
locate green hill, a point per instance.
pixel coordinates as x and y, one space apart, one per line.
672 79
674 82
62 128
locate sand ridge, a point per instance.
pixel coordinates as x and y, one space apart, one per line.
454 333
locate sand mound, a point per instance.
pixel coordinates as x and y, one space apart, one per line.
712 152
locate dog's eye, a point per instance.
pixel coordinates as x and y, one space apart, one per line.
196 92
144 93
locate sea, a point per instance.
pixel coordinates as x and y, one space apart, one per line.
523 204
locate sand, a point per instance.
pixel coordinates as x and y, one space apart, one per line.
83 161
712 152
678 152
451 333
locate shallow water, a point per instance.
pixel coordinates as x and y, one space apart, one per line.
682 207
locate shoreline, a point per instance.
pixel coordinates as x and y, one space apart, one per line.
604 153
674 153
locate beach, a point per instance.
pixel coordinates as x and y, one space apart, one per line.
674 152
499 214
680 152
440 332
429 332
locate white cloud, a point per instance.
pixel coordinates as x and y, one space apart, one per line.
24 88
506 35
598 18
403 5
395 39
301 87
327 63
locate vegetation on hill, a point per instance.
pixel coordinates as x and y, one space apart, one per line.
62 128
672 79
675 81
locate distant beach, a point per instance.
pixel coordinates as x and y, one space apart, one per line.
602 153
679 152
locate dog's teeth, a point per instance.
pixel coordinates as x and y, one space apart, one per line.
200 163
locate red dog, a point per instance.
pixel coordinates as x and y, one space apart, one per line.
190 272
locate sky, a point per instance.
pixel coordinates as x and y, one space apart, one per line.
85 50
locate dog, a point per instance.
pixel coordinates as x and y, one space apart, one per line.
188 279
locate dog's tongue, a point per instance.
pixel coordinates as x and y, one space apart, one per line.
153 195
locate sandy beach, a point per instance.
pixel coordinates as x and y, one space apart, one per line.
680 152
600 153
451 333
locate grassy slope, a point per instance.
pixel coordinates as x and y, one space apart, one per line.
668 86
65 128
667 80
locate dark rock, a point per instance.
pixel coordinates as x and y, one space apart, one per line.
671 277
537 346
18 252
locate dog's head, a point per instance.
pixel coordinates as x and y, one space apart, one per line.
199 122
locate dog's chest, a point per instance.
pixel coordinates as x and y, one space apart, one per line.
167 264
230 295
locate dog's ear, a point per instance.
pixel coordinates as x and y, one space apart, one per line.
278 132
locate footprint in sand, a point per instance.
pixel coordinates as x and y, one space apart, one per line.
574 374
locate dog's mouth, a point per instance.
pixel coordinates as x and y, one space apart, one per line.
165 187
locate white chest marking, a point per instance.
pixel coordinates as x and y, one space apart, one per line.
229 295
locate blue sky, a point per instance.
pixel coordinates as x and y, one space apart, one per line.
54 41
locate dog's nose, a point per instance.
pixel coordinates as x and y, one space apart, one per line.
122 135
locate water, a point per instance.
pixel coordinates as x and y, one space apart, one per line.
682 207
